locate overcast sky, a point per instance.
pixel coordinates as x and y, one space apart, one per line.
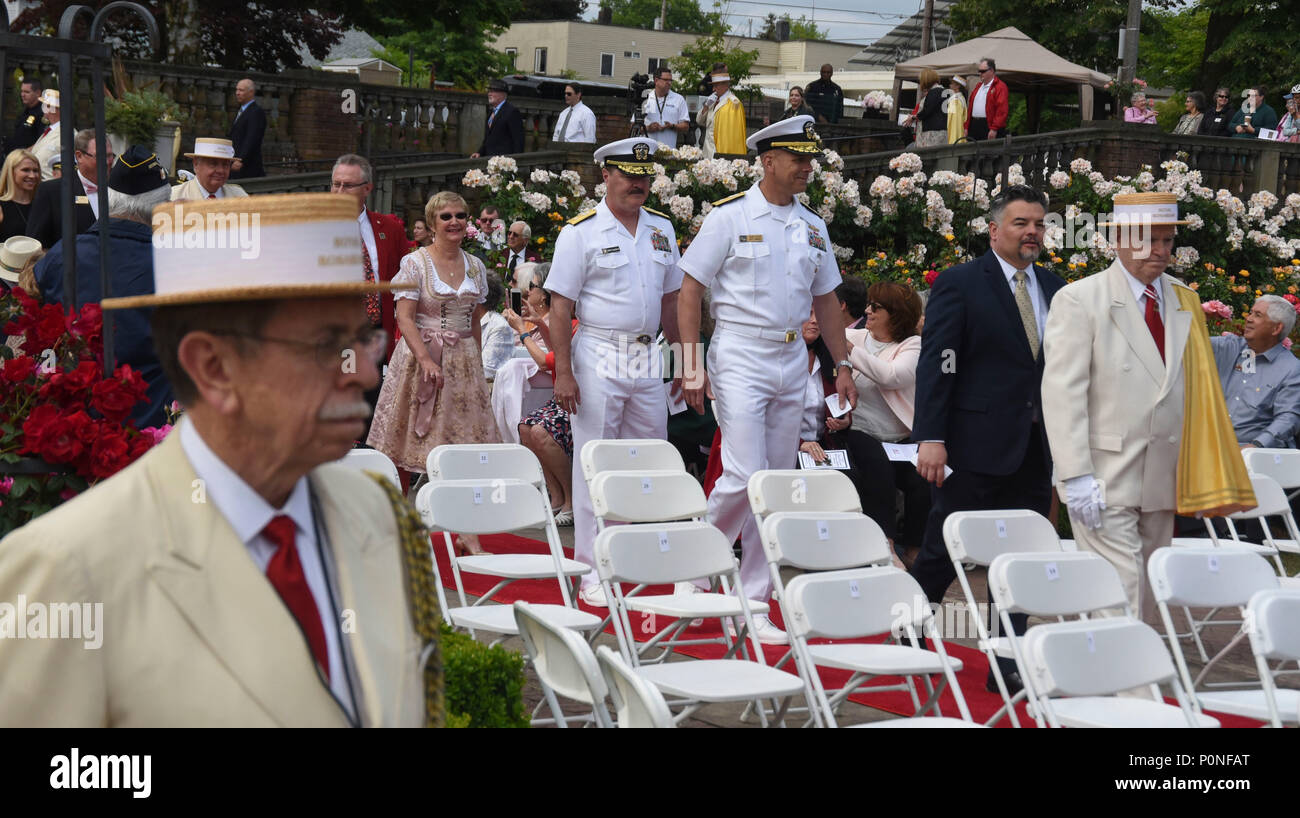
853 21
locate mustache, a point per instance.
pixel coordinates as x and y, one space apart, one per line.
351 410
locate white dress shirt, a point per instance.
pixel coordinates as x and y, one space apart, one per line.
579 123
368 236
1140 293
1035 294
669 111
977 110
248 513
763 270
617 279
92 197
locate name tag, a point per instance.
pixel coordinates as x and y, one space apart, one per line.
82 200
608 250
751 238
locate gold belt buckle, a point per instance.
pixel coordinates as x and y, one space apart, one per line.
644 339
789 335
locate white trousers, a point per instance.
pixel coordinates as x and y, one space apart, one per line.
617 400
759 386
1127 538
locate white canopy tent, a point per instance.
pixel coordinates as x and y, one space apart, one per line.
1022 64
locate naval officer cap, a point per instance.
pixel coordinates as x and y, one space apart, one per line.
136 171
635 156
795 135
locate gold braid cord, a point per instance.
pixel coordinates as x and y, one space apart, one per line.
421 595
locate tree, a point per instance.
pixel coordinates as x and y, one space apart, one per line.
552 10
801 29
698 58
682 15
463 59
230 33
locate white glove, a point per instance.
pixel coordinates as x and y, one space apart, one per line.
1083 498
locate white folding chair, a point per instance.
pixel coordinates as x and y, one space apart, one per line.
498 461
773 490
637 702
493 507
657 553
821 541
977 537
1283 465
862 602
1274 634
1078 665
375 461
644 497
564 664
1272 502
1071 667
629 455
1210 577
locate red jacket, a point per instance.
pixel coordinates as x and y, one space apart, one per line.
391 245
995 106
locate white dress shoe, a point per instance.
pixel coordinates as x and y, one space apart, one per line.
594 595
767 633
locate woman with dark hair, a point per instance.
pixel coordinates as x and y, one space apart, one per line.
884 357
1190 122
1216 121
932 119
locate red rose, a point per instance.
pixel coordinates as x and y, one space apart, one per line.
930 276
132 381
113 400
109 453
48 327
65 439
17 370
72 385
37 426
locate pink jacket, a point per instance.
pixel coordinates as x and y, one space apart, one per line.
1143 116
894 374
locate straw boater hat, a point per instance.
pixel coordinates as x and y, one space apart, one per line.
308 245
213 149
721 76
795 135
1144 209
14 254
50 97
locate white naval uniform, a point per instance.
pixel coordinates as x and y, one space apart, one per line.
763 271
618 281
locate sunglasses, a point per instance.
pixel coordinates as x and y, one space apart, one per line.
446 217
876 305
1220 96
985 70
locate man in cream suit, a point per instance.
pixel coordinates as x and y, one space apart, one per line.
1113 394
50 143
212 159
244 579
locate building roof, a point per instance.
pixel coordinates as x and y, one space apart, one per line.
903 42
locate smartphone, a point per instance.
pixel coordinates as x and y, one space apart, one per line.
517 302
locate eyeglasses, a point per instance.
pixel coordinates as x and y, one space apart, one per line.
569 93
514 234
876 305
331 352
347 185
461 216
1220 96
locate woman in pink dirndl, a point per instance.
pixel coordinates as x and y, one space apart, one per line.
434 391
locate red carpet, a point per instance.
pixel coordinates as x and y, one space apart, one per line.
971 677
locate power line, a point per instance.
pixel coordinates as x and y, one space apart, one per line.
881 14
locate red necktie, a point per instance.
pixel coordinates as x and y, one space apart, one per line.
1154 323
285 573
372 299
212 195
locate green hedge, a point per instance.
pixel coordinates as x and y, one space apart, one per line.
484 684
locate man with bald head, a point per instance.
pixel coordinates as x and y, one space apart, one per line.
246 133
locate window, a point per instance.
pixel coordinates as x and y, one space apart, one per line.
513 54
655 64
632 55
539 60
606 65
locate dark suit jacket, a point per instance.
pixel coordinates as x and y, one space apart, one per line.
392 246
977 388
505 133
246 133
45 224
27 129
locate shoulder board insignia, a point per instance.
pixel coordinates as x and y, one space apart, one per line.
656 212
582 216
733 197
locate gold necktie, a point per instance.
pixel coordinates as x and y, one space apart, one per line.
1026 307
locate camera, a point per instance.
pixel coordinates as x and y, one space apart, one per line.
637 88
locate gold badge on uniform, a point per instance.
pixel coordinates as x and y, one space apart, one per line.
809 132
641 151
753 237
815 237
31 120
659 241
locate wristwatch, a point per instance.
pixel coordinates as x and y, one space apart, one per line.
845 364
524 335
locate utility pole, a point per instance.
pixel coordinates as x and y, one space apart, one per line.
1128 70
663 17
926 22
